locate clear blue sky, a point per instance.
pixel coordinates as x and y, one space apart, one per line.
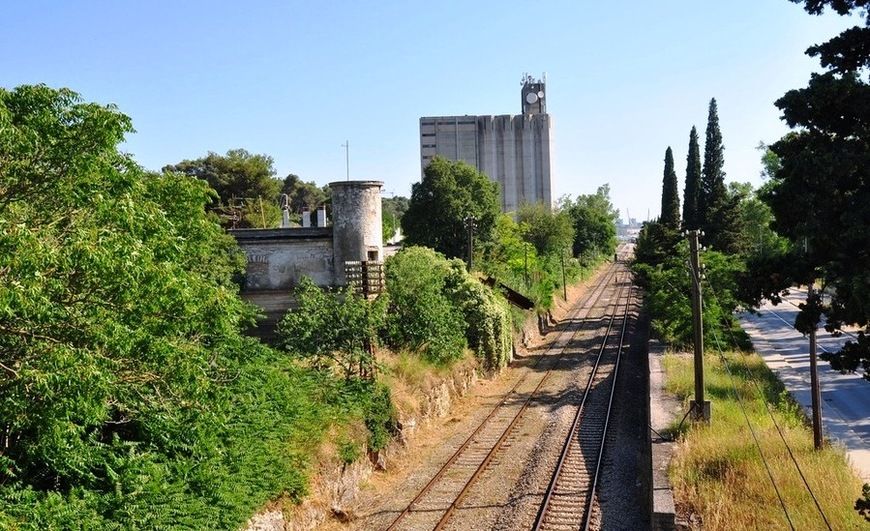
295 79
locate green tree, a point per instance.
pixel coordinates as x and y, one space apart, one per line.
310 329
392 211
819 194
718 212
448 193
244 182
656 243
121 358
594 220
712 191
693 183
670 215
549 231
302 194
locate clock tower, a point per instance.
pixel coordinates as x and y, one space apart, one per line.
533 95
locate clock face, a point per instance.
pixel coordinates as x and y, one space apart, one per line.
531 97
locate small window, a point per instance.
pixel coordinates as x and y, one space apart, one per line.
373 255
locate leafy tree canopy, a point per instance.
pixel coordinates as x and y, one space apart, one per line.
245 183
125 383
236 175
819 193
549 231
448 193
594 220
302 194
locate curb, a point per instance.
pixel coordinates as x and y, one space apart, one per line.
663 517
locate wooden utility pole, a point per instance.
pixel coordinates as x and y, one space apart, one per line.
526 267
815 390
700 408
471 225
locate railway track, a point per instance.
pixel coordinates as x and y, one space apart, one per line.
435 504
568 501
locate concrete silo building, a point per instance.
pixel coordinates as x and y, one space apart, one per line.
512 150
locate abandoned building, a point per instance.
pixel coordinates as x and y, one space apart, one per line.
277 259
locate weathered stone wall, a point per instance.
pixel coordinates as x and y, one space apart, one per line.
279 258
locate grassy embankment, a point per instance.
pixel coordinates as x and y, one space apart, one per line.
717 472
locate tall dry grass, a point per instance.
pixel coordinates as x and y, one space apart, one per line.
717 471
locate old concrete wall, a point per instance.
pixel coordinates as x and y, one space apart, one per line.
279 258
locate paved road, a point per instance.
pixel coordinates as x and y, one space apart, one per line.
845 397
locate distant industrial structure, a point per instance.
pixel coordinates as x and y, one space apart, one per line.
512 150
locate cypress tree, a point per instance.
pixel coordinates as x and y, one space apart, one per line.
712 192
718 210
670 215
693 182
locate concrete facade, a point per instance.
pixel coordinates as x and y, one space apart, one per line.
512 150
279 258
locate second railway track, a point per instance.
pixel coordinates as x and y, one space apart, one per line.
437 503
569 500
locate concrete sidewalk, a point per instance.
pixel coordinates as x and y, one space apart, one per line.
845 397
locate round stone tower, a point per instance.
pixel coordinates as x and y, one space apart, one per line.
356 223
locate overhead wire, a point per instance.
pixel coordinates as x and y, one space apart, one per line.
773 419
746 417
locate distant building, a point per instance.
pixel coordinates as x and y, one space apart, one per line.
512 150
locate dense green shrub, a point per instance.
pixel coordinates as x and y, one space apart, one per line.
437 306
487 317
128 396
422 314
333 330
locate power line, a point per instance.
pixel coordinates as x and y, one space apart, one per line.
749 424
778 429
697 279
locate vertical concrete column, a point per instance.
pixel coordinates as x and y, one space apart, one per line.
356 223
546 131
306 217
509 154
321 216
528 160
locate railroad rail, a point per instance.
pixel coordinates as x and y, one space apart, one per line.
444 492
568 500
